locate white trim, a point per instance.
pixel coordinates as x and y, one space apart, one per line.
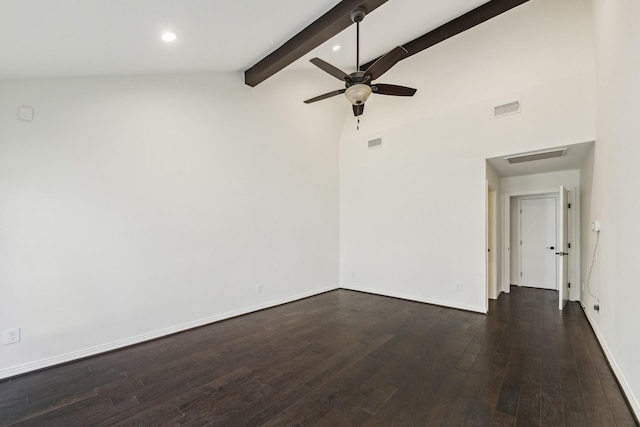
505 250
486 243
114 345
443 303
633 401
575 238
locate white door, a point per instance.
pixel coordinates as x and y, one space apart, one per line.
538 242
563 247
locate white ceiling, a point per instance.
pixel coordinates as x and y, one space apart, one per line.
573 159
61 38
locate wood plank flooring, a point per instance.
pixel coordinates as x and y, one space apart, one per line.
343 359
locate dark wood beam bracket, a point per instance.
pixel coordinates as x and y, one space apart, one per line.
462 23
321 30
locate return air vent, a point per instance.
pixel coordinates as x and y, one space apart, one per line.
506 109
539 155
375 143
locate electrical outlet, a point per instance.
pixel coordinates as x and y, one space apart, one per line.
259 288
25 113
12 336
458 286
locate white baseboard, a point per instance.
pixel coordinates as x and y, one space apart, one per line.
92 351
443 303
633 401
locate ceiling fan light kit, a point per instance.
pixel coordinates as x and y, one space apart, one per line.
358 85
358 94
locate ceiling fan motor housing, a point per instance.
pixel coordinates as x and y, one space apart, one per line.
357 77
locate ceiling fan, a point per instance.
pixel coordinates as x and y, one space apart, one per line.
359 84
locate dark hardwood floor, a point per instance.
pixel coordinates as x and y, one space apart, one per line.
339 359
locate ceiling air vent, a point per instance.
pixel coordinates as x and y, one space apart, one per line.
375 143
539 155
506 109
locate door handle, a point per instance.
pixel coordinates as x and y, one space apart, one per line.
551 247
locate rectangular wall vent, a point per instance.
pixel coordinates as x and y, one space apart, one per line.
375 143
539 155
506 109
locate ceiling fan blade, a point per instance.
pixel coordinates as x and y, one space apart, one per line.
325 96
358 110
395 90
328 68
383 64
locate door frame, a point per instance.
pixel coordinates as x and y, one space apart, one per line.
574 238
491 242
563 243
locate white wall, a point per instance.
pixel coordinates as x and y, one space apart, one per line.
135 207
412 212
541 182
610 192
512 187
492 177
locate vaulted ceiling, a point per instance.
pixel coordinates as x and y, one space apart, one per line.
61 38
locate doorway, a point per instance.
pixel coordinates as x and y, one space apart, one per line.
548 229
533 176
537 265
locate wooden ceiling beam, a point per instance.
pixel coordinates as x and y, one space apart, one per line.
462 23
321 30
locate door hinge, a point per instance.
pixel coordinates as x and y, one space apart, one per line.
520 210
520 242
568 285
569 245
569 206
521 274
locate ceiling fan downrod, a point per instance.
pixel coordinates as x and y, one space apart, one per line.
357 15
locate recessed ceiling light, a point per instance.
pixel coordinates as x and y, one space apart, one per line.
169 37
336 48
